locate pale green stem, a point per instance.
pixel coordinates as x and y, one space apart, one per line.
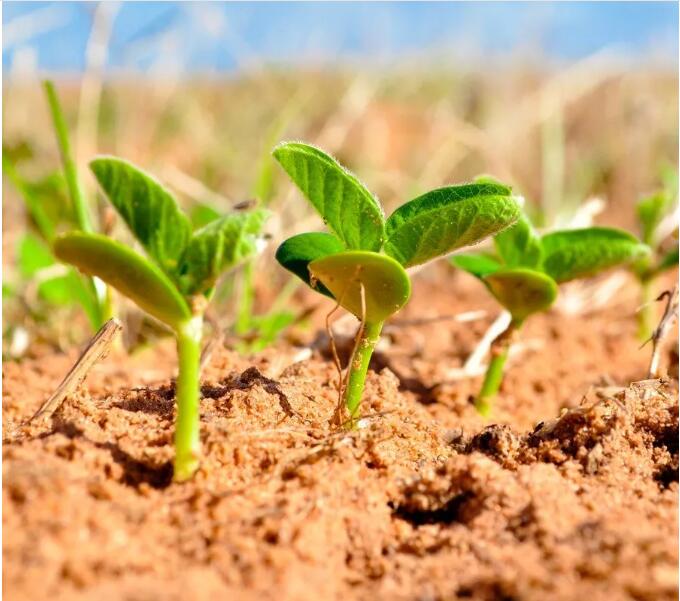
646 314
187 435
494 373
80 208
358 368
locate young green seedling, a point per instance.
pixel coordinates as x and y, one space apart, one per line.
176 284
361 264
525 274
652 211
52 202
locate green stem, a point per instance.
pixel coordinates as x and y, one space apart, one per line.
187 439
494 373
80 208
646 317
358 367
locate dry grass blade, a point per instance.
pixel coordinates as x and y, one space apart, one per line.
670 316
96 349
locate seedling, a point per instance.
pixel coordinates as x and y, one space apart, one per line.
52 202
525 274
175 283
362 262
652 212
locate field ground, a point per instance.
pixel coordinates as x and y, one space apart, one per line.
427 501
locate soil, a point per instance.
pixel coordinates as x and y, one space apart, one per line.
570 491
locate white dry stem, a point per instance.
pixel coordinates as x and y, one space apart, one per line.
92 82
579 298
95 350
670 316
583 216
474 364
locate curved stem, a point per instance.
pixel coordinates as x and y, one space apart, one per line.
494 373
358 368
187 439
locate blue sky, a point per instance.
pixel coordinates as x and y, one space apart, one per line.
216 37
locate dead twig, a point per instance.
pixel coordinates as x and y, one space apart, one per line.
95 350
668 319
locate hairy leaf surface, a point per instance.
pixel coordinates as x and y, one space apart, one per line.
478 265
522 291
571 254
349 210
129 272
219 246
387 286
296 253
445 219
150 211
519 245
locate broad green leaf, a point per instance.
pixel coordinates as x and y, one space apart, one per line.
650 212
150 211
219 246
478 265
522 291
63 289
129 272
296 253
519 245
33 255
387 286
349 210
443 220
203 214
579 253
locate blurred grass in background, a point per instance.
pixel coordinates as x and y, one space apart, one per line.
559 132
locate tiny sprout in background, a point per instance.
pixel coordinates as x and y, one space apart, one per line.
361 263
175 283
524 276
654 213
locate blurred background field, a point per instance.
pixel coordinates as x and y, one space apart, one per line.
566 102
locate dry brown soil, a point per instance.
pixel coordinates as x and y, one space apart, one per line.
426 501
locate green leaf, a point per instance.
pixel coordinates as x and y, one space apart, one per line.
202 214
349 210
31 200
127 271
580 253
519 245
478 265
650 212
150 211
522 291
219 246
33 255
296 253
387 286
268 328
443 220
